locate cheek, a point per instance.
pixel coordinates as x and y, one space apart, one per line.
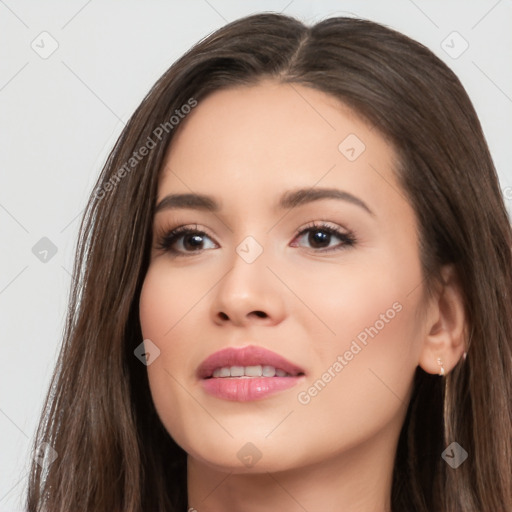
163 306
173 312
169 297
368 301
363 372
157 307
168 303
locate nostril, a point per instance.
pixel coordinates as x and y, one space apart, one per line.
259 314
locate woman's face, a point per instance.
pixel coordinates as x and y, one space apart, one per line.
329 281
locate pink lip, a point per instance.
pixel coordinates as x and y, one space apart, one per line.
246 356
247 389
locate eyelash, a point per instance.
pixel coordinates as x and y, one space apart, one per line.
169 238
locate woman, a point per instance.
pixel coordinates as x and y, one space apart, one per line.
222 353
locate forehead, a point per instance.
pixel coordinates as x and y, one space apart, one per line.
273 136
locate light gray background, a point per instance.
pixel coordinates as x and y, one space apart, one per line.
60 115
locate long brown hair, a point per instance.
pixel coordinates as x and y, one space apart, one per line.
113 452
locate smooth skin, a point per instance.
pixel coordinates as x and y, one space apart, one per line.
301 298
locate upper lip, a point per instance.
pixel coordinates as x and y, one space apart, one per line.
247 356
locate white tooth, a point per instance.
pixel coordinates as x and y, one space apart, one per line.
224 372
249 371
237 371
253 371
268 371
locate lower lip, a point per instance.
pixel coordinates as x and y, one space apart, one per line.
247 389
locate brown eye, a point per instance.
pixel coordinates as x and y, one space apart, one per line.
183 240
192 241
320 237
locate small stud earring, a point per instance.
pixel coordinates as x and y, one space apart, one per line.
440 363
464 355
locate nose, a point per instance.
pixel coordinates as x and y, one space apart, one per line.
248 294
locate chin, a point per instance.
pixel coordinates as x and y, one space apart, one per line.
243 456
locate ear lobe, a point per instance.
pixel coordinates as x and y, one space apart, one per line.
445 327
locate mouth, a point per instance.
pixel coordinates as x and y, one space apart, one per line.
247 362
248 373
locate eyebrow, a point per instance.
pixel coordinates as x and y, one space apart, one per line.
288 200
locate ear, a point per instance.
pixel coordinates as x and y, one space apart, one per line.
445 328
